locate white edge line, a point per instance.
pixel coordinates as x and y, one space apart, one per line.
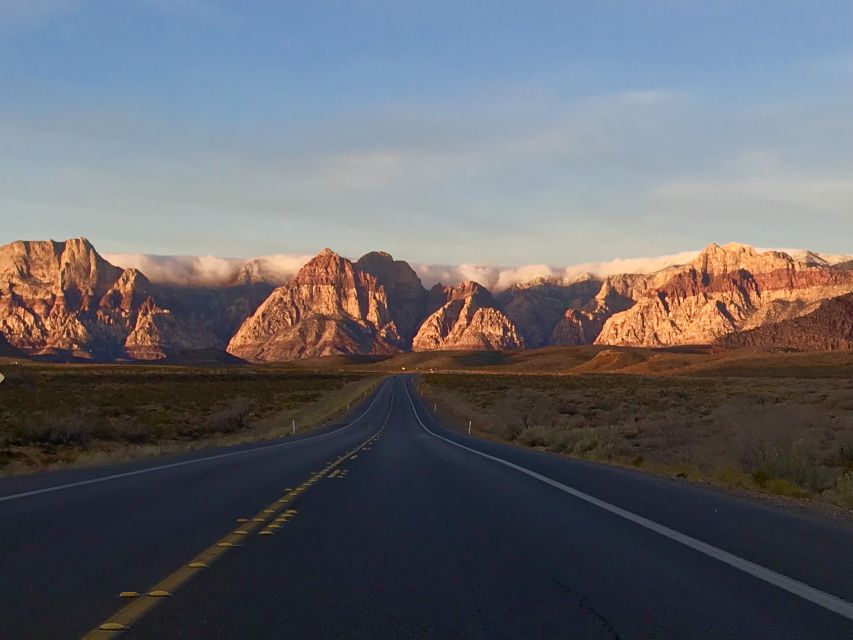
171 465
804 591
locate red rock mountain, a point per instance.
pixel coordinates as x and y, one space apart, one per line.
330 307
465 317
64 298
407 298
537 308
827 328
724 290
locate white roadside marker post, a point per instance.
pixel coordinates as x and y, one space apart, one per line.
469 427
293 423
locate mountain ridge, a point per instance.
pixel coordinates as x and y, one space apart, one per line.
64 297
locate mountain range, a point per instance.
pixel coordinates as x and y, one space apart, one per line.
63 299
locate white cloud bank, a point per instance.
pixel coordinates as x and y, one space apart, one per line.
500 278
280 268
209 270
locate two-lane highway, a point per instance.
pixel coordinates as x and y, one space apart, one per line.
421 532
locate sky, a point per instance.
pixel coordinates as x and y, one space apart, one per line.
445 132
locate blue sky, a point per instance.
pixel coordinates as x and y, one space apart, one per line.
492 132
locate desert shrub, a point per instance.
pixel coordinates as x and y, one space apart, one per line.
232 417
127 429
845 456
760 477
536 437
797 462
842 494
510 432
784 487
75 429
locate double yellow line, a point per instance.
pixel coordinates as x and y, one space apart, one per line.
268 520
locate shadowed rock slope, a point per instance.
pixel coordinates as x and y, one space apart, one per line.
828 328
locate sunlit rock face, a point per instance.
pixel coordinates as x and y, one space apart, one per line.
330 307
63 297
465 317
724 290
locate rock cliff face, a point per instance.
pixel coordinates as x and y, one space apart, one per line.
63 297
583 324
465 317
537 308
724 290
827 328
407 298
330 307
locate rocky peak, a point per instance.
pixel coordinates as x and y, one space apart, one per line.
724 290
389 271
732 257
407 297
57 265
331 303
466 318
251 272
441 294
326 268
65 297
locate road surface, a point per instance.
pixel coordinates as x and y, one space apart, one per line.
390 525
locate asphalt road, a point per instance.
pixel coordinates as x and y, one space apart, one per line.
421 532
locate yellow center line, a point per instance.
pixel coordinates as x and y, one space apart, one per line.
128 615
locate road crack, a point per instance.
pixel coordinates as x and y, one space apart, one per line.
584 604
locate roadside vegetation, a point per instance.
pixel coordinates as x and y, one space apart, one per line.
787 435
60 415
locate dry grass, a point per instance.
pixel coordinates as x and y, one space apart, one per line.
780 435
694 361
58 415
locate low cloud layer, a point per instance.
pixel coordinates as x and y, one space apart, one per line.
210 270
280 268
500 278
